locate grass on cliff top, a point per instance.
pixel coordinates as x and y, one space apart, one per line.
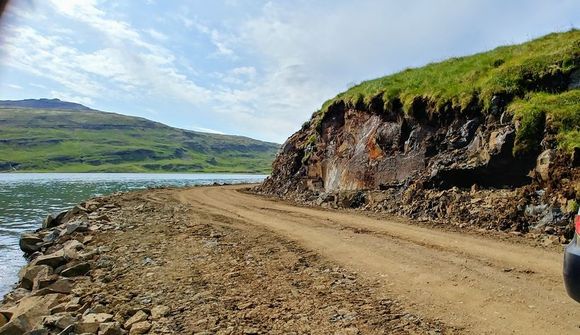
561 112
458 81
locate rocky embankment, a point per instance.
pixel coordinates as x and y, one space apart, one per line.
54 291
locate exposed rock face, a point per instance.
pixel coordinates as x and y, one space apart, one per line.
360 149
409 158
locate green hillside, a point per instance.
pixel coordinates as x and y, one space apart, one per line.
531 76
85 140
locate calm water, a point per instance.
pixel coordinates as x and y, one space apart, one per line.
26 198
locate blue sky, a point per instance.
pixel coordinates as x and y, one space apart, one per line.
253 68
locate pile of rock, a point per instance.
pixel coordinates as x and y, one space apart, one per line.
518 211
61 259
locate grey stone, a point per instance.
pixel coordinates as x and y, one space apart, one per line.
63 286
53 260
140 328
59 320
71 249
86 327
137 317
76 270
159 312
49 222
30 243
110 328
543 164
30 275
75 211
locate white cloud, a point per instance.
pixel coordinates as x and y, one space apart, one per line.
206 130
129 63
87 101
309 51
38 86
249 71
14 86
187 22
157 35
217 38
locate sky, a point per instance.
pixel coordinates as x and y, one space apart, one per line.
252 68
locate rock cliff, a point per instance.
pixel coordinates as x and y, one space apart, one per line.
502 156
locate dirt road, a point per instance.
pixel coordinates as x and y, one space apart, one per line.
479 285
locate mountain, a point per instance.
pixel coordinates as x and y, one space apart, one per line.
42 104
491 139
50 135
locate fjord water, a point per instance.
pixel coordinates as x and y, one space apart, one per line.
26 198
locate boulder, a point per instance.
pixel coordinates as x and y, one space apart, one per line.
63 286
52 236
137 317
86 327
75 211
44 281
76 226
13 328
16 294
60 308
140 328
159 312
71 249
60 320
30 243
28 314
110 328
30 276
3 319
97 318
92 205
53 260
49 222
543 164
76 270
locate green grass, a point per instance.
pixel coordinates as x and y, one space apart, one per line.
457 83
561 112
92 141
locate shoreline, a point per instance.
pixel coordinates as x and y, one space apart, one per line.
25 199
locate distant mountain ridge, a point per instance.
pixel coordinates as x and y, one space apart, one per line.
51 135
42 104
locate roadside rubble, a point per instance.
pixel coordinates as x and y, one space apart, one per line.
519 212
51 297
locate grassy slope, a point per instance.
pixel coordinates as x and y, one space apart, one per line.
513 71
90 141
